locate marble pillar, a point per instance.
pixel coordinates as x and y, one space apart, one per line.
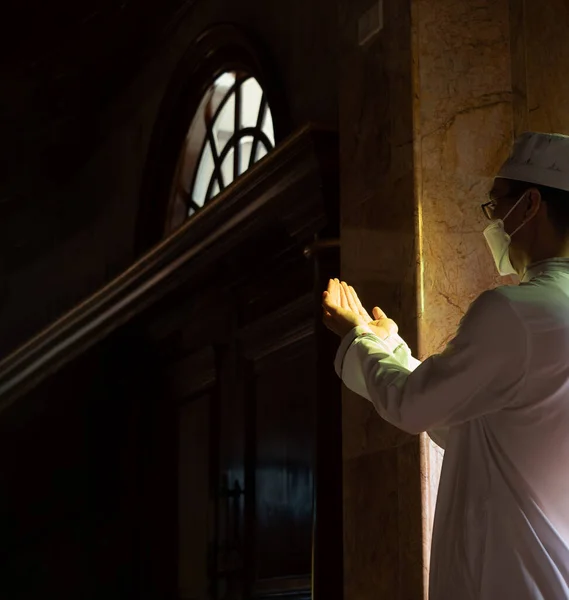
382 477
463 131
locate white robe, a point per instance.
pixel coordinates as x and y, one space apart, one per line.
501 391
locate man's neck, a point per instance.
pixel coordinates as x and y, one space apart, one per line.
558 249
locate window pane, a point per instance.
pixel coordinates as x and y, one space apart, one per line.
225 80
251 94
203 176
261 151
224 126
222 136
245 147
268 129
227 168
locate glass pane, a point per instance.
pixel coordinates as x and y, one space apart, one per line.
223 132
225 80
268 128
251 94
203 176
227 168
245 147
224 125
261 151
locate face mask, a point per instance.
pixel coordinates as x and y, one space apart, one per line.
499 243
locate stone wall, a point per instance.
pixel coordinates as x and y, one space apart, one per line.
463 130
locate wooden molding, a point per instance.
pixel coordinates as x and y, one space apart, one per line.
298 588
295 172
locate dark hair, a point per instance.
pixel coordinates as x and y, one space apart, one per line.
557 202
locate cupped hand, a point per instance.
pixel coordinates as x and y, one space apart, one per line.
340 316
343 311
382 325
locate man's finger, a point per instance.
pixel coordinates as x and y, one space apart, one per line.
352 304
328 304
338 292
343 297
325 312
330 288
334 291
363 312
378 313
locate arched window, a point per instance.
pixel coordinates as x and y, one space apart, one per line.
222 111
231 130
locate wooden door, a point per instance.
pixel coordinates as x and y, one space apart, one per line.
259 379
279 372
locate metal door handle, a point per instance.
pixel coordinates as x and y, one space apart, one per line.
320 246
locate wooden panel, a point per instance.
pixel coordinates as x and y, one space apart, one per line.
230 477
281 445
195 506
285 393
73 515
192 374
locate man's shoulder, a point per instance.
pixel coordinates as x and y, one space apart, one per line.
529 301
495 308
498 297
510 293
493 320
530 295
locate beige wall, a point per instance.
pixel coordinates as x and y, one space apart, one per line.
463 132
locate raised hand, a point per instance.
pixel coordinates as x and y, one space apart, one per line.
343 311
382 323
339 315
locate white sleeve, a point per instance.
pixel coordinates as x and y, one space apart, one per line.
480 371
403 353
397 346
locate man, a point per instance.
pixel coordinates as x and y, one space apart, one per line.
498 396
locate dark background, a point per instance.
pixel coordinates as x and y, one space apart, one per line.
81 87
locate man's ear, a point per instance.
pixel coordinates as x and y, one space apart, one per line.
533 203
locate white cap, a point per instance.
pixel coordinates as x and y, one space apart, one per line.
540 158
